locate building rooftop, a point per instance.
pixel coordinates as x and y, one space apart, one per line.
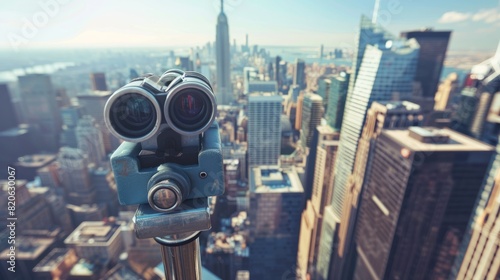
415 139
94 233
397 105
314 97
14 131
121 272
205 273
272 179
83 268
243 275
36 161
29 248
53 259
264 96
95 94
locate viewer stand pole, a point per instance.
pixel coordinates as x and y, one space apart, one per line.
181 256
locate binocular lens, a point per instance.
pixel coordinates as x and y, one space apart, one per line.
190 110
133 115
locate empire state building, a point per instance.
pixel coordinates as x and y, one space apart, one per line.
224 91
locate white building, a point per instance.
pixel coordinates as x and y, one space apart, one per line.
264 129
97 241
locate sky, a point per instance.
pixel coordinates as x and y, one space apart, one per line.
26 24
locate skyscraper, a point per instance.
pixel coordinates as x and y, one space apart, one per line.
249 74
375 82
486 72
15 140
75 176
8 118
277 75
264 129
420 192
482 258
486 124
312 216
369 34
98 81
276 199
299 74
312 112
283 82
298 114
324 84
93 105
433 46
446 92
336 100
41 109
89 139
224 89
381 115
70 116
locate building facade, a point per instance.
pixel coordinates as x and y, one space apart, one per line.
376 81
264 129
276 199
41 109
420 192
312 112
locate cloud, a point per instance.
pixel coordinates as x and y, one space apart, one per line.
451 17
486 16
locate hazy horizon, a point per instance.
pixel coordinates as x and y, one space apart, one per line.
58 24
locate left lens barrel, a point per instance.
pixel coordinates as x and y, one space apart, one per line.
132 114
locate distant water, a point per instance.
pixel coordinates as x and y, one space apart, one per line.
460 72
308 54
11 75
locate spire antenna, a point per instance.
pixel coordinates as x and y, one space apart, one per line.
221 6
375 11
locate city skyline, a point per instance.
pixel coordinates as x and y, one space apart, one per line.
353 161
59 24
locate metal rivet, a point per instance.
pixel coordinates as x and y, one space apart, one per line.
203 175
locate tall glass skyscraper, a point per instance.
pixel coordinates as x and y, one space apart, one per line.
224 90
336 100
386 73
369 33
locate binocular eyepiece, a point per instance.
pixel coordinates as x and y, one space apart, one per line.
184 101
171 155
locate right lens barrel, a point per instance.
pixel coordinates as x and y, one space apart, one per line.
190 107
132 114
